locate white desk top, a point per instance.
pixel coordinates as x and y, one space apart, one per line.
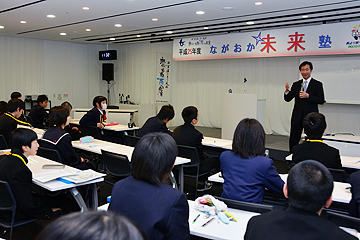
107 110
217 229
217 142
346 161
119 127
339 137
97 145
41 175
341 192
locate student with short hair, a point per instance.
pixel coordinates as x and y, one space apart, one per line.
97 115
74 132
160 210
245 169
10 119
158 122
92 225
38 113
15 95
309 188
58 139
13 170
313 147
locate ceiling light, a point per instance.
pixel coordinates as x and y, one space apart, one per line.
86 8
250 23
63 34
154 19
206 27
304 16
1 27
50 16
227 8
169 32
138 35
112 39
22 21
118 25
200 12
88 30
258 3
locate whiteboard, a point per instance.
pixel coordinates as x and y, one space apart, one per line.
340 76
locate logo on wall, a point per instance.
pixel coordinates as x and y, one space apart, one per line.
356 35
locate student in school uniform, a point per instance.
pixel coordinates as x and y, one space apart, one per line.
97 115
74 132
14 171
17 95
160 210
38 113
246 171
9 121
57 138
158 122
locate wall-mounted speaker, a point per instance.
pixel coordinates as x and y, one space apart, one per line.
108 72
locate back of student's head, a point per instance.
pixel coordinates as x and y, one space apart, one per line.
166 112
98 99
67 105
153 158
189 113
92 225
42 98
314 125
13 104
58 116
249 138
21 137
310 185
3 106
15 95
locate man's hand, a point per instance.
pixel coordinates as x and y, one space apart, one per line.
100 125
287 87
303 94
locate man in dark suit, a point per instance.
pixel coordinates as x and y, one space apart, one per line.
313 147
309 188
158 123
308 93
187 135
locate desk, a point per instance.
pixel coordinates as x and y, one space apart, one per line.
341 192
97 145
116 128
348 145
219 230
35 165
122 116
217 142
346 161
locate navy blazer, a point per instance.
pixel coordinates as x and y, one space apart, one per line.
354 206
318 151
293 224
39 116
92 117
304 106
153 124
8 123
246 179
161 211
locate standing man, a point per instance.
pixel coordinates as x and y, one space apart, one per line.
308 93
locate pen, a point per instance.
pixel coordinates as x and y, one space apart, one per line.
196 218
208 222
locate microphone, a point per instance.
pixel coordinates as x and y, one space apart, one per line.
303 87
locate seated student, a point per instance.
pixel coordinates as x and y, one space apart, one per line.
9 121
96 116
14 171
160 210
38 114
74 132
56 138
313 147
3 106
309 188
158 123
92 225
187 135
17 95
354 206
245 170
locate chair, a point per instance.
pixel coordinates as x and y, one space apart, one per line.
343 220
117 165
3 143
91 131
48 153
29 120
8 203
246 206
130 140
191 169
339 175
